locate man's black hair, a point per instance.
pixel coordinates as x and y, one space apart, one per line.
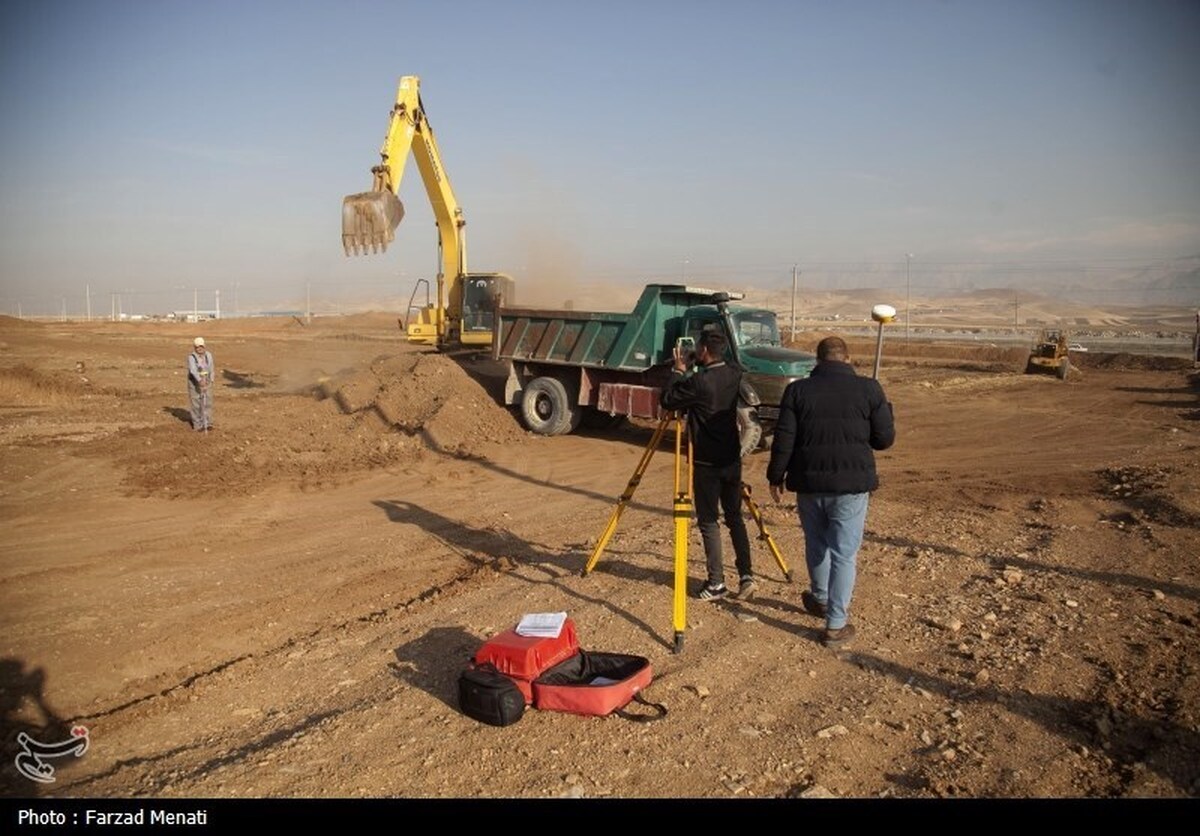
832 348
714 341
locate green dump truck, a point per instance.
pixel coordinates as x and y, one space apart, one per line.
568 368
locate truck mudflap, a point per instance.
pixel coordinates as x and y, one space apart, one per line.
629 400
512 386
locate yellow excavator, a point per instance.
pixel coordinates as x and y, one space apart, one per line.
462 313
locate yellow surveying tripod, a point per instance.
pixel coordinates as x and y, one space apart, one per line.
682 513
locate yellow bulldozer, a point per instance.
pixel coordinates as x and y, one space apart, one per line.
1050 355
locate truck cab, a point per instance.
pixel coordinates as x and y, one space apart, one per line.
756 346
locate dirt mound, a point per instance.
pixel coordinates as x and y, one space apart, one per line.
15 323
1123 360
26 386
428 394
388 414
864 351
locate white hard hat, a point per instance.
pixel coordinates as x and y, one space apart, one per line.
198 342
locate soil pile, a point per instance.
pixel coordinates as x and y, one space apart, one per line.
429 395
392 411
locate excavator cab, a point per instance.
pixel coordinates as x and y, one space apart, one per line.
369 221
482 292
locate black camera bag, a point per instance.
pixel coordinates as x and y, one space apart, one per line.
486 695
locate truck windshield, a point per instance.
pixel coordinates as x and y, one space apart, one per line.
756 328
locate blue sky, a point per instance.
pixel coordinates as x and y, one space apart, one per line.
152 148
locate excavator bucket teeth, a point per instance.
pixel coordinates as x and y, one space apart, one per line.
369 221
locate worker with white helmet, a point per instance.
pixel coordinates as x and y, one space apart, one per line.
199 382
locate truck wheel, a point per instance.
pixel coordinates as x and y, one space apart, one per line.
749 429
547 408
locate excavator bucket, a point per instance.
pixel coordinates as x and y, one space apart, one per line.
369 221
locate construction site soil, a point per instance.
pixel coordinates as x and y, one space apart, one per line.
280 607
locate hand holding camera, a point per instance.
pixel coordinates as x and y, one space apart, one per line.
685 353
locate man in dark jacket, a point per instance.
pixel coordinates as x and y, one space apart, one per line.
710 398
829 425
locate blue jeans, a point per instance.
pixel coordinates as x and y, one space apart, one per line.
833 532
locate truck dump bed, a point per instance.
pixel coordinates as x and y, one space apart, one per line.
625 341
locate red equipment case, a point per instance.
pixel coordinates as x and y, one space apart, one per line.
525 658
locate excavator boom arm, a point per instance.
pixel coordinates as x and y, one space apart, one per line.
369 219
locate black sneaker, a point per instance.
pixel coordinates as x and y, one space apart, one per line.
746 588
838 638
812 606
713 593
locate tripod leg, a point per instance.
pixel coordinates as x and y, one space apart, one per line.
763 534
683 514
626 497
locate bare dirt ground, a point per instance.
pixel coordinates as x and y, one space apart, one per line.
281 607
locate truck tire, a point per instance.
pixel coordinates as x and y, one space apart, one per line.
547 408
749 429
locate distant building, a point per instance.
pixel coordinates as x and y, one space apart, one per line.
194 316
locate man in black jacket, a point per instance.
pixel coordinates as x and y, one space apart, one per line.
710 398
829 425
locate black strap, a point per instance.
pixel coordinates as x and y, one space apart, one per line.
643 718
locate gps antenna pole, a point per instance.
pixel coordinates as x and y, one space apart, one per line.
881 314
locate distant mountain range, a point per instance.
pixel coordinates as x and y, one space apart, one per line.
1169 282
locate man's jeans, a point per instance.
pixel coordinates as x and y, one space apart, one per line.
717 490
833 531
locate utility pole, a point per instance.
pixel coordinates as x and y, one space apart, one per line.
195 304
1016 309
308 301
1196 343
907 294
794 275
88 292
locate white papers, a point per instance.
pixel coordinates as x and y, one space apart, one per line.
546 625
